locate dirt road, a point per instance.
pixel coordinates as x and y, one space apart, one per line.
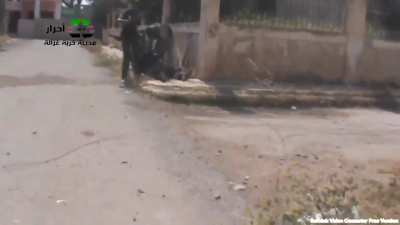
77 150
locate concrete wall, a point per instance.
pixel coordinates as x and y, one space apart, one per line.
379 63
232 53
45 5
258 53
251 54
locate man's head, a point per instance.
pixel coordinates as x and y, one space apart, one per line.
131 16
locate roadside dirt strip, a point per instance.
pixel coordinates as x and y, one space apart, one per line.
196 91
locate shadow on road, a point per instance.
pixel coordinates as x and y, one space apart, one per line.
41 79
388 101
230 102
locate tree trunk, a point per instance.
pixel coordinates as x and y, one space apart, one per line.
2 17
167 11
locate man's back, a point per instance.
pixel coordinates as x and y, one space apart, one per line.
129 32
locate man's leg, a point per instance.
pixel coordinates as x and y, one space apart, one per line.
137 66
125 65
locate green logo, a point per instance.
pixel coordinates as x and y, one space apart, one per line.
81 28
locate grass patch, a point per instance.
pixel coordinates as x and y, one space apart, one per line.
4 39
110 62
94 48
303 194
104 60
115 44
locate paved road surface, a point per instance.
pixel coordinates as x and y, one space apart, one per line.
77 150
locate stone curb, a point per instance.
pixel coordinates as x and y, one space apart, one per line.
195 91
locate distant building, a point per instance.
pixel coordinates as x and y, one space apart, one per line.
86 11
31 10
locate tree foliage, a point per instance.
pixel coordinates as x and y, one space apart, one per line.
152 10
183 10
186 11
102 7
72 3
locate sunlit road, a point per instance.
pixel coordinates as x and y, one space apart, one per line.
77 150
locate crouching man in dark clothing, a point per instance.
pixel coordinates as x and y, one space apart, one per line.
157 58
156 45
147 49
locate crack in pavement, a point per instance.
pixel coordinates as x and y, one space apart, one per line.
26 165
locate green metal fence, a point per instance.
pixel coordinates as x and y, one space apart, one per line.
310 15
384 19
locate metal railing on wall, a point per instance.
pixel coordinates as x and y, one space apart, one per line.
310 15
384 19
186 11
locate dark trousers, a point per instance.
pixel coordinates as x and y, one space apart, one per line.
128 60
